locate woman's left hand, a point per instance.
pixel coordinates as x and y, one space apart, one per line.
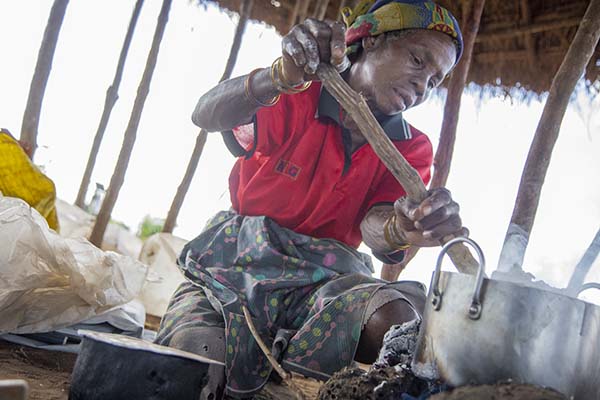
435 218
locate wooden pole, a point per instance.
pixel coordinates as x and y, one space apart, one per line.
391 272
546 134
529 43
294 15
131 131
525 30
245 12
31 116
112 95
356 106
456 87
184 186
321 10
182 189
303 10
343 4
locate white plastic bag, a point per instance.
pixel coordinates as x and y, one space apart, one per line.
48 282
76 223
160 252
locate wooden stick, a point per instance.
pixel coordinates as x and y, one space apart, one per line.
118 177
456 87
112 95
294 15
321 10
529 42
342 5
303 13
357 107
245 12
527 30
287 377
41 74
528 197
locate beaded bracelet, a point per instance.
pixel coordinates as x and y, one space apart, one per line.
280 84
392 237
250 96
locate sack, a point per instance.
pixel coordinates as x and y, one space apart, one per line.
20 178
160 252
48 282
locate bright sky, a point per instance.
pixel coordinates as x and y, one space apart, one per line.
493 135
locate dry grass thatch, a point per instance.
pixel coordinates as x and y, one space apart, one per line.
521 43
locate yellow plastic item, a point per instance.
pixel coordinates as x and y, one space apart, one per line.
19 177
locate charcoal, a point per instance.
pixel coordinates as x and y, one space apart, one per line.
398 345
353 383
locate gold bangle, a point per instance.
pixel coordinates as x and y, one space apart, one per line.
399 236
250 96
394 245
280 84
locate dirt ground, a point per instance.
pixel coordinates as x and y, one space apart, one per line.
47 372
390 383
501 391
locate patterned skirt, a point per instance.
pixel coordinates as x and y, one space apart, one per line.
307 298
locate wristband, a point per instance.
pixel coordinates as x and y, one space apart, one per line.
280 84
250 96
392 236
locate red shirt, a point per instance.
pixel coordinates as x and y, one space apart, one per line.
300 173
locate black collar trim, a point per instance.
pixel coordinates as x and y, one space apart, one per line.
395 127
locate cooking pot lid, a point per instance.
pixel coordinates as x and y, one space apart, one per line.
139 344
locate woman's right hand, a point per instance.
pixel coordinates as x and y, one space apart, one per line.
310 43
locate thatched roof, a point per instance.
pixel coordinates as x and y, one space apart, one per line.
521 43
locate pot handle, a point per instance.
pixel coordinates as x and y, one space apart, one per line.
436 300
590 285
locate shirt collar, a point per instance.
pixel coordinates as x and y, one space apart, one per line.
395 127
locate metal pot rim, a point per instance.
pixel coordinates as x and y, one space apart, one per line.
138 344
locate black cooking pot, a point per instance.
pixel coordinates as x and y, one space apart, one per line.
118 367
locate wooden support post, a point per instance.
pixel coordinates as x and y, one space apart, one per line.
456 87
245 13
471 17
546 134
184 186
118 177
294 15
321 10
529 43
304 10
112 95
343 4
533 28
356 106
43 66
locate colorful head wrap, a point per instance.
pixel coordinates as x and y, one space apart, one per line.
374 17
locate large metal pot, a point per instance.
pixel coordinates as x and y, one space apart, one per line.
478 330
118 367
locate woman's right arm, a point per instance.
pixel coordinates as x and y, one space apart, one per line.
227 105
234 102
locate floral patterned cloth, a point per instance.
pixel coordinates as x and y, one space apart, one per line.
307 297
372 18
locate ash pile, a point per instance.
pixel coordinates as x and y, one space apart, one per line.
391 377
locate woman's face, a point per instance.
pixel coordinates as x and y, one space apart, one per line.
397 73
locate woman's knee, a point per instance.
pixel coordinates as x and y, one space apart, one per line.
395 312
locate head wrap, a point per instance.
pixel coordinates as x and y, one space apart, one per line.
374 17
